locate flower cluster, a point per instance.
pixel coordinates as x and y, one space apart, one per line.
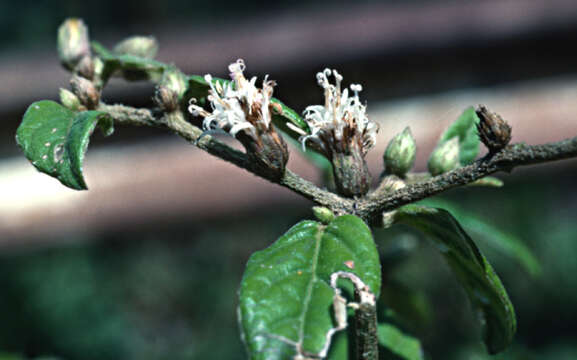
243 110
341 123
237 105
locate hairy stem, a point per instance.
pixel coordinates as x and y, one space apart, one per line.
370 207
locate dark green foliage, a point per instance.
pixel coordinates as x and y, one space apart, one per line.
55 139
285 291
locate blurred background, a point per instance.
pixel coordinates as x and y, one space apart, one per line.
146 264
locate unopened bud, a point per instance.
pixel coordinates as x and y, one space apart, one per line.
85 68
69 100
494 132
73 42
400 154
85 91
166 99
323 214
141 46
174 80
445 157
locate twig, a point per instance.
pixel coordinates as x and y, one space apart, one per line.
176 123
371 207
509 158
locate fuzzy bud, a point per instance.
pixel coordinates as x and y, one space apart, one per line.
494 132
323 214
141 46
85 91
69 100
73 42
445 157
174 80
85 68
399 157
166 99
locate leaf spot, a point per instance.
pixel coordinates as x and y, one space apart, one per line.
47 144
44 157
58 152
54 130
350 264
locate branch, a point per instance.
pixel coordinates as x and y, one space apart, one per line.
176 123
370 209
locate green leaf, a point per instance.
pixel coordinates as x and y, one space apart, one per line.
285 296
504 242
198 89
483 286
400 344
465 127
55 139
132 67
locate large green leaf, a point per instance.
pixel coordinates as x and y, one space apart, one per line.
198 89
285 296
501 241
475 274
394 340
55 139
464 128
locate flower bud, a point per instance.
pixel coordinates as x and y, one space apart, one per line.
445 157
166 99
323 214
400 154
85 68
141 46
174 80
69 100
494 132
85 91
73 42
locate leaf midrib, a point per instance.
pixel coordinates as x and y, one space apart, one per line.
310 286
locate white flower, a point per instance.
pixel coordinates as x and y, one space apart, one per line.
341 120
237 105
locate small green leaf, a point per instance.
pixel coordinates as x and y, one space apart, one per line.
55 139
198 89
475 274
506 243
285 296
464 128
132 67
403 345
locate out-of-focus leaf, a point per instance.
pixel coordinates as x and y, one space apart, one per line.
285 296
506 243
412 308
339 347
132 67
55 139
464 128
400 344
475 274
